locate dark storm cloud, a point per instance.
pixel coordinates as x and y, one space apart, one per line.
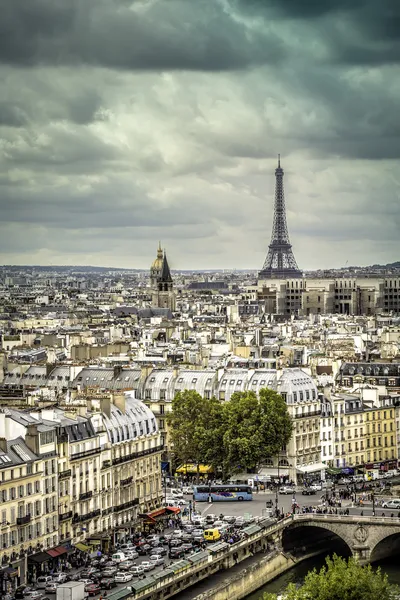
174 34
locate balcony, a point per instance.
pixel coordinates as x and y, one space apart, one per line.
85 495
129 457
65 516
126 481
125 505
85 454
64 474
90 515
106 464
23 520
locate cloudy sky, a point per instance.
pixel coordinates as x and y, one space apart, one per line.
123 122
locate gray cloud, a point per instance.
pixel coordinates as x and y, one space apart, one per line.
123 123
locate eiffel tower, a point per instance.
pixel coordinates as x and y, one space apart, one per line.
280 262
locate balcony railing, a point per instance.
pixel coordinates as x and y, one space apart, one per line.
64 474
23 520
85 453
65 516
106 464
85 495
90 515
126 481
125 505
129 457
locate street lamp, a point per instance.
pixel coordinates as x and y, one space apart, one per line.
373 504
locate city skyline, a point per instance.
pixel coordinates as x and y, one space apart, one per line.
137 129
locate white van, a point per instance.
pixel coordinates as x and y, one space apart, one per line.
119 557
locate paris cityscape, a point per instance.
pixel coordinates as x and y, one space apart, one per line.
200 300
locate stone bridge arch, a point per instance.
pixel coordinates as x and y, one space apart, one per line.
364 536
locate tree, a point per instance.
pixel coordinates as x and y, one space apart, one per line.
255 428
187 425
340 580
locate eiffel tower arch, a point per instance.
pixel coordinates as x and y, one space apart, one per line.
280 262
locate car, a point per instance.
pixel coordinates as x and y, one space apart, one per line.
286 489
187 547
93 589
229 519
126 565
153 540
128 546
160 551
177 533
317 486
143 550
188 527
174 543
249 520
123 577
86 581
109 572
395 504
176 553
187 489
210 518
59 577
51 588
157 559
148 565
137 571
308 491
33 595
344 481
42 581
107 583
109 563
239 522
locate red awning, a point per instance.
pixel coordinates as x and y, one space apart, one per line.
57 551
173 509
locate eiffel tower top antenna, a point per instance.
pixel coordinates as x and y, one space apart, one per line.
280 262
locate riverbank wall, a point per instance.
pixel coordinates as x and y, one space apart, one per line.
249 579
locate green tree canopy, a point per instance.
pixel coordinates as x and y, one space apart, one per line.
235 435
256 427
340 580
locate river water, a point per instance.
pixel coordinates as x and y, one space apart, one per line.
296 575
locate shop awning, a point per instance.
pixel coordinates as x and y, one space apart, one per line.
312 468
57 551
173 509
40 557
82 547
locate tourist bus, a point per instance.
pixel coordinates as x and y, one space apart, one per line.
221 493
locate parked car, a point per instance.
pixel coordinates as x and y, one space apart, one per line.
107 583
395 503
174 543
131 554
93 589
143 550
176 553
33 595
126 565
187 547
137 571
109 572
60 577
123 577
127 546
229 519
308 491
160 551
42 581
157 559
51 588
148 565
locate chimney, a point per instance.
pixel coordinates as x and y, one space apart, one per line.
3 444
105 405
117 371
118 400
32 438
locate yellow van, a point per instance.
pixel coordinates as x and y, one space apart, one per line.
212 535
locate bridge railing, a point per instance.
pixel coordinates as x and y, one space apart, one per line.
341 518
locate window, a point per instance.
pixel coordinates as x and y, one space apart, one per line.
47 437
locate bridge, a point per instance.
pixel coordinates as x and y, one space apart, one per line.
367 538
273 546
